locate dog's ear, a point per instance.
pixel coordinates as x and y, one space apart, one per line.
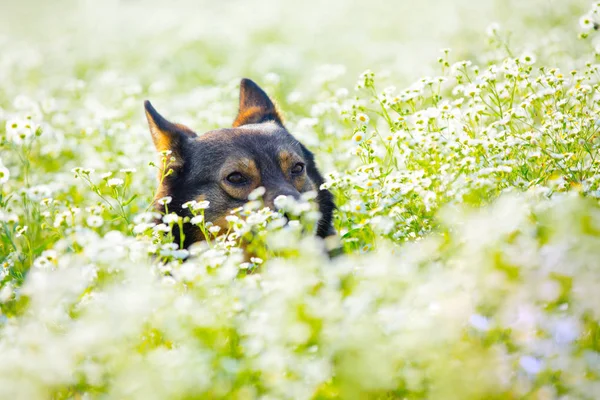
255 106
167 135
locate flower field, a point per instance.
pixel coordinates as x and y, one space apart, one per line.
460 140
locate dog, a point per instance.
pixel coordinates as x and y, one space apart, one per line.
224 166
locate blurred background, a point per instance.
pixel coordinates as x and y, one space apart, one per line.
91 64
210 41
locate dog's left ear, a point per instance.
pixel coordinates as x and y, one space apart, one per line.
167 135
255 106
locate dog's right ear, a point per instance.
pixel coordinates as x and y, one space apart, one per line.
255 106
167 135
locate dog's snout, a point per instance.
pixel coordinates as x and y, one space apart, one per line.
272 195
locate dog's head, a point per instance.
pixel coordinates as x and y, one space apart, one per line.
225 165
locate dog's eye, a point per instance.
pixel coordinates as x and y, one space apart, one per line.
236 178
298 168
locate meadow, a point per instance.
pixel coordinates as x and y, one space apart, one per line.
460 140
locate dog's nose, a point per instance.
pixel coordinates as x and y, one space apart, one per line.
270 196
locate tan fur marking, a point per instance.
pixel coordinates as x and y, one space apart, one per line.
222 222
287 160
163 141
252 115
200 198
